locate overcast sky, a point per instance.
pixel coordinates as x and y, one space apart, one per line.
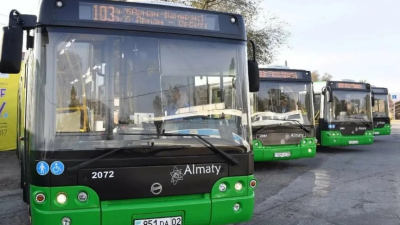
350 39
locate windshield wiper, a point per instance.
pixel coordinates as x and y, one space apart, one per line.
212 147
300 125
114 150
363 120
260 129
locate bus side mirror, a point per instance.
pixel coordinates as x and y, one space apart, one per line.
373 99
253 72
328 94
11 41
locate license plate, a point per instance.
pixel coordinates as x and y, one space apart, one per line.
160 221
376 132
282 154
353 142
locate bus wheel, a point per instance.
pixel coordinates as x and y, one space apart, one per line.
30 215
22 174
17 148
22 179
24 195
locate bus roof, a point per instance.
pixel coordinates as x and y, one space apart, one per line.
154 2
147 16
379 90
285 75
277 67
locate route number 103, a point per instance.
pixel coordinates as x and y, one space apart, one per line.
104 13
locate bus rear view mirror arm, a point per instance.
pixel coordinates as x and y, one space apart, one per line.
11 41
253 72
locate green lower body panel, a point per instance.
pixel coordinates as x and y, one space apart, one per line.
80 217
382 131
340 140
268 153
214 208
194 210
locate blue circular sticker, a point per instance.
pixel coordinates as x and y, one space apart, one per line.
42 168
57 168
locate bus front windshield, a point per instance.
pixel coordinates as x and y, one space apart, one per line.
101 89
278 101
349 106
381 108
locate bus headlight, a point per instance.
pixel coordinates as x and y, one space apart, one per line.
238 186
222 187
62 198
82 196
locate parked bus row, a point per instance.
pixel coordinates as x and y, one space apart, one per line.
151 114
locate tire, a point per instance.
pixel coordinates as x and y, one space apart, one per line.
24 185
24 195
22 176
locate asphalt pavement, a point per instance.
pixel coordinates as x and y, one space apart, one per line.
349 185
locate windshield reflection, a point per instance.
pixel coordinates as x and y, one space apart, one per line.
277 101
381 108
123 88
349 106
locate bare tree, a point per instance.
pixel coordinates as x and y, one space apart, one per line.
315 76
326 77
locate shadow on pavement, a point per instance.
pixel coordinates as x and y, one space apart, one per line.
349 149
277 165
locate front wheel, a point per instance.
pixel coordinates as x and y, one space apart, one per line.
22 175
24 195
17 150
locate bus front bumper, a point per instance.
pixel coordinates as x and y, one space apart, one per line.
284 152
382 131
339 140
215 208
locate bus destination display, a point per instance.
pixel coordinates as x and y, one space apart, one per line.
147 16
280 74
380 90
350 86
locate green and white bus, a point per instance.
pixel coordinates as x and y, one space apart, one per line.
343 113
283 115
380 111
114 126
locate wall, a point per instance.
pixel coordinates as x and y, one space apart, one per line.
8 111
